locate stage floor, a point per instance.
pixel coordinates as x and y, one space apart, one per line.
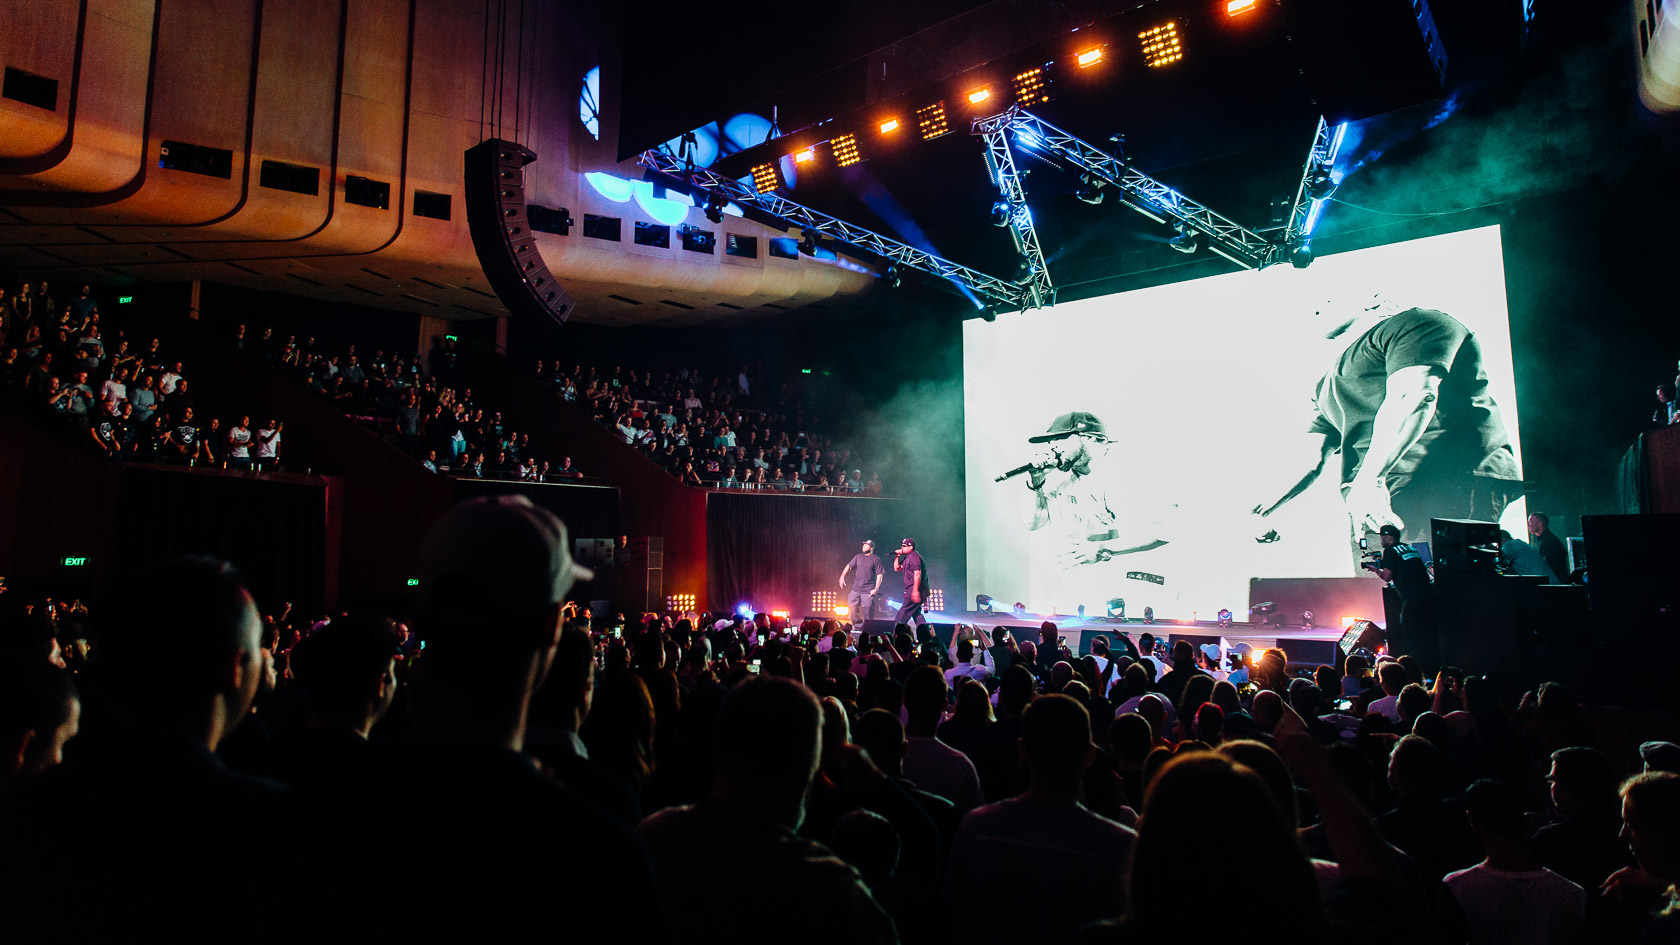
1304 645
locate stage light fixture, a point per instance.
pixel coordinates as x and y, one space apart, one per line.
1023 271
841 610
1089 57
892 276
1235 7
1307 619
979 96
779 614
1019 609
889 126
808 242
1187 241
1148 615
1301 254
846 150
1161 46
1116 608
1321 183
764 178
1029 87
715 203
936 599
1000 212
930 120
983 603
1224 616
1089 190
805 157
822 601
744 609
679 603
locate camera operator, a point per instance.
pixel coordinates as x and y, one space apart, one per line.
1403 568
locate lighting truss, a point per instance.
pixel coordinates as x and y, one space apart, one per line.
1304 211
1002 293
1000 164
1142 193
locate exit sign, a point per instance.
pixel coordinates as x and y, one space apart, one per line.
124 299
74 562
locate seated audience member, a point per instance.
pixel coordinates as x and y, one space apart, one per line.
349 669
1392 677
1067 864
769 734
557 716
153 848
1646 895
1582 841
931 764
1508 897
995 749
482 844
39 712
1177 839
1428 820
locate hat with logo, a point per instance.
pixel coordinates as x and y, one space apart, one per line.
1070 423
1391 531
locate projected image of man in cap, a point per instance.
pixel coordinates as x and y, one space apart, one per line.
1071 493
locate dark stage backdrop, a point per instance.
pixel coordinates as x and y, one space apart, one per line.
773 551
274 532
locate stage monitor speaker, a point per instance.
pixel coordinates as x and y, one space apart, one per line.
1305 653
1462 546
502 235
1366 57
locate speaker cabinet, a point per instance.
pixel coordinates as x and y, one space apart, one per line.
1462 546
502 235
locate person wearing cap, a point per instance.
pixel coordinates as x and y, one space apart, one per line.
907 560
1403 568
489 844
1071 496
866 577
1405 404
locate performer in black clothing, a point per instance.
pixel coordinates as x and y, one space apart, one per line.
1546 542
1406 406
907 560
867 574
1403 568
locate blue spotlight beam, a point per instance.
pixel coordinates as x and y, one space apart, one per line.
1000 164
1002 293
1142 193
1303 213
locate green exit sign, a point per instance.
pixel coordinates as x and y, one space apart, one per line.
413 582
124 299
74 562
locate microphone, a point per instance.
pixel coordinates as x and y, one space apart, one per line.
1041 462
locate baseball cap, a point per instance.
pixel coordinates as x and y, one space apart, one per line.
1212 651
1660 756
1070 423
1389 530
500 552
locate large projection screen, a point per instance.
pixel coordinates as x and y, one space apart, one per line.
1217 397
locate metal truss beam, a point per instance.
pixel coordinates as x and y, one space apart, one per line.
1141 192
1000 165
1303 213
1001 293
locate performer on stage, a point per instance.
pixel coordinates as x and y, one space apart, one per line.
907 560
867 575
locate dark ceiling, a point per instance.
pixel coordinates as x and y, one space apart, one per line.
1229 124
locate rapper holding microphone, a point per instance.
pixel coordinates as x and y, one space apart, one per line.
1077 495
907 560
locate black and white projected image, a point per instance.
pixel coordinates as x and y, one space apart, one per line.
1165 446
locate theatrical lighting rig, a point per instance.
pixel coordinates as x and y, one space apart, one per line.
1318 182
1160 45
1185 239
930 120
1033 276
1137 190
846 150
1089 191
991 291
